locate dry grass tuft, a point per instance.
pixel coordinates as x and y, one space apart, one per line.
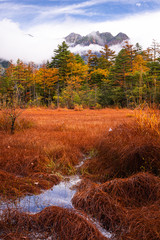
127 207
126 150
67 224
143 223
136 191
148 118
13 186
100 205
55 222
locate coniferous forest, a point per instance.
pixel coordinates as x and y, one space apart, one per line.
126 79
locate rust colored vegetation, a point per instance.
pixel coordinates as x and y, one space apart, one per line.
51 147
126 150
128 207
121 170
54 222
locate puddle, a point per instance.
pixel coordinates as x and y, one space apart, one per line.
59 195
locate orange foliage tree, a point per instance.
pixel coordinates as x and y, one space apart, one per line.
46 79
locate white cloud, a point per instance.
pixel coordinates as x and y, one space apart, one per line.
138 4
140 28
15 43
78 8
80 50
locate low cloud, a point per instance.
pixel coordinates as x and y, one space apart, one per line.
94 48
16 43
79 49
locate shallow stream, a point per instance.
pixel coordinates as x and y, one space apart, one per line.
59 195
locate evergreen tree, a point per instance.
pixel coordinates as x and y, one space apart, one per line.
154 81
120 78
60 61
107 58
92 61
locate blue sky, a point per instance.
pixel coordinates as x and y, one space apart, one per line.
51 20
27 12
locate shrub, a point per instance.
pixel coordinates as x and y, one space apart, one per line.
78 107
148 118
10 121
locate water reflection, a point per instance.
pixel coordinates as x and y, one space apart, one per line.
59 195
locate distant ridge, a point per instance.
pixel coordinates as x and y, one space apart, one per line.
4 63
101 39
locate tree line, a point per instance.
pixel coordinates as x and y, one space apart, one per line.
126 79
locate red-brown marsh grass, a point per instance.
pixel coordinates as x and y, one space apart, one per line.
143 223
34 158
129 148
23 167
148 118
54 222
13 186
55 143
136 191
11 120
127 207
100 205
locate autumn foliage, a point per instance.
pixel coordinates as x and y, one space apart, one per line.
127 79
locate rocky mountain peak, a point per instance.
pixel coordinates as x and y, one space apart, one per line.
98 38
72 38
